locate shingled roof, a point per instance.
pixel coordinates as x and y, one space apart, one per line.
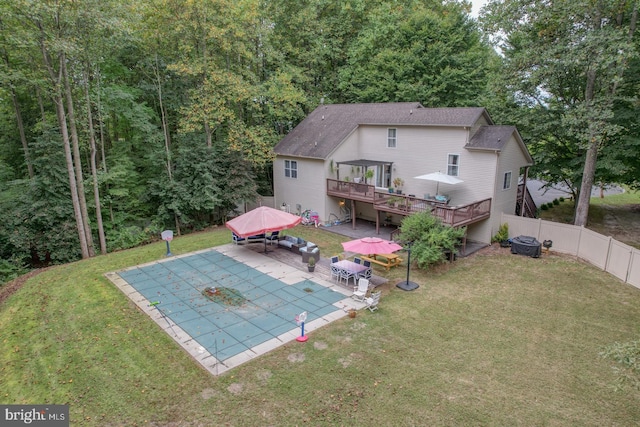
493 138
328 125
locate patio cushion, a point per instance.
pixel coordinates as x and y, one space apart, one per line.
290 242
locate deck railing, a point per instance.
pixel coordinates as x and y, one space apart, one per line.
402 204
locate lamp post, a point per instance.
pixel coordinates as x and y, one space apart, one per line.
408 285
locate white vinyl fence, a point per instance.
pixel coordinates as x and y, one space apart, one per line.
608 254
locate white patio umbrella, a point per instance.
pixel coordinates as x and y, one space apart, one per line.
439 177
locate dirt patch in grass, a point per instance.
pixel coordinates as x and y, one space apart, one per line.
608 216
620 222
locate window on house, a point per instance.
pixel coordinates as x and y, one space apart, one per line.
453 164
506 183
291 169
391 138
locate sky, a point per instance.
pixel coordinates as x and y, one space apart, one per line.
477 4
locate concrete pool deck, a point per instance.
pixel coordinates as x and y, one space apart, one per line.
220 336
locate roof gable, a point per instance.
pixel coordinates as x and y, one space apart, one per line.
494 138
318 135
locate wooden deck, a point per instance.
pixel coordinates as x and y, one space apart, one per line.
454 216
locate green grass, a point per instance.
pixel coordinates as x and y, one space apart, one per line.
495 339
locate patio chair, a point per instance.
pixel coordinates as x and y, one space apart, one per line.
237 239
273 237
357 260
335 259
372 301
360 292
366 274
335 271
346 275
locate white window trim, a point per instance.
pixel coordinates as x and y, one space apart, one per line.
504 180
456 165
289 169
395 139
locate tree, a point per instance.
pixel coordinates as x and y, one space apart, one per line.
412 51
568 57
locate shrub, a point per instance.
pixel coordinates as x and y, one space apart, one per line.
430 238
544 207
561 199
556 202
9 270
502 234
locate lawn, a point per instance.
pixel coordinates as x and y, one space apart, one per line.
493 339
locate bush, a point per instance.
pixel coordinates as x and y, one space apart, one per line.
126 237
561 199
544 207
502 234
556 202
431 239
9 270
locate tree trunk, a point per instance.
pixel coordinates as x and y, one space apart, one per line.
591 157
76 158
62 122
165 131
16 108
94 169
23 138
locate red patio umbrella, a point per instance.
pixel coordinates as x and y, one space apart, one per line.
371 245
262 220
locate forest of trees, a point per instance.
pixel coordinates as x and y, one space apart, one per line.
120 119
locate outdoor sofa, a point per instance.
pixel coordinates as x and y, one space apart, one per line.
292 243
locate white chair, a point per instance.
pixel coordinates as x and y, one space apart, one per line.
357 260
368 272
360 292
335 271
346 275
372 301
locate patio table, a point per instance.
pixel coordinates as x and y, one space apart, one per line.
391 260
351 268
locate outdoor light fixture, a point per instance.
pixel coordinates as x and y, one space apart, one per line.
408 285
341 203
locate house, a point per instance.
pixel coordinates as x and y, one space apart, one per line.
342 159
